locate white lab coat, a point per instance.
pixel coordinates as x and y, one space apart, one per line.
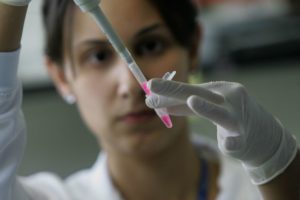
92 184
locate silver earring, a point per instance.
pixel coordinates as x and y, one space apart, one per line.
69 99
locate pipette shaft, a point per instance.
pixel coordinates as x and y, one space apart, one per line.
92 7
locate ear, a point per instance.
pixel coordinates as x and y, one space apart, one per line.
195 48
59 77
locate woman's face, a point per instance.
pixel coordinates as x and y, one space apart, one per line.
108 96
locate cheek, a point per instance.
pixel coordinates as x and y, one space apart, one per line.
94 101
178 61
175 60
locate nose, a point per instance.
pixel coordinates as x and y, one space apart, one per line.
128 85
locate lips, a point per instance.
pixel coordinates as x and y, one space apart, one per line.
138 117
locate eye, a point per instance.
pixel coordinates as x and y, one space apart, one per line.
96 57
99 56
150 47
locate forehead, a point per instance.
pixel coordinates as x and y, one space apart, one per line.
127 17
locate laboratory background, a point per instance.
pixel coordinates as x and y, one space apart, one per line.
254 42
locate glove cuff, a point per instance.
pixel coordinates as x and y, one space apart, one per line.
15 2
273 167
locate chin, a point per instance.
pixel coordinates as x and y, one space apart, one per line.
150 143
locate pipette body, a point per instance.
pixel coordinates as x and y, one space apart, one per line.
92 7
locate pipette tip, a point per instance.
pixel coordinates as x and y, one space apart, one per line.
164 117
145 88
167 121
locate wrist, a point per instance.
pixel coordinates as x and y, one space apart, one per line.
11 26
277 163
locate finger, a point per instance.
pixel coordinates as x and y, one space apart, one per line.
173 106
154 101
182 91
180 110
216 85
213 112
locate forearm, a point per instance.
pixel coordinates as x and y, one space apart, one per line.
286 185
12 125
11 26
12 128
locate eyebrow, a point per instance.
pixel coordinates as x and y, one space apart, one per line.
94 42
105 42
149 29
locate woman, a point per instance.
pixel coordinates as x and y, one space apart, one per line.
141 159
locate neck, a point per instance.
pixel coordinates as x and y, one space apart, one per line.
170 174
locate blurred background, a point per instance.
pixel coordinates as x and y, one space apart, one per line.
254 42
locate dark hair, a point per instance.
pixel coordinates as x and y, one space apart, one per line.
179 15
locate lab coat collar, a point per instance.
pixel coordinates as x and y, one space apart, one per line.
101 180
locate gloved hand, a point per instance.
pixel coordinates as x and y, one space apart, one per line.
15 2
245 131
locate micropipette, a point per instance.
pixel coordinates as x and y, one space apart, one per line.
92 7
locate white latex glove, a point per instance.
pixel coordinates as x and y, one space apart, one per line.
245 131
15 2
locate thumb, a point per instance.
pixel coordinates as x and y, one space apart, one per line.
155 101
